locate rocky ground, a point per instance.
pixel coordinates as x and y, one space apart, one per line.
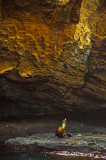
84 142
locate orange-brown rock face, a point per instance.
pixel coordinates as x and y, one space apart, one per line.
52 56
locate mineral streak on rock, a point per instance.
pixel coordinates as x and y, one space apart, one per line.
52 55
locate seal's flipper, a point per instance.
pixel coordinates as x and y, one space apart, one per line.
69 134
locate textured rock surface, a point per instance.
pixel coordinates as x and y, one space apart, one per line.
52 56
80 142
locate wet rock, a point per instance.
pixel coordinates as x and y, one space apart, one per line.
79 135
48 141
95 132
91 143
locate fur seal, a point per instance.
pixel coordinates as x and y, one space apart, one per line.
60 132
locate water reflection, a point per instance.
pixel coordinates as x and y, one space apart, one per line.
24 156
62 155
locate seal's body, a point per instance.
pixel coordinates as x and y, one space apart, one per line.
60 132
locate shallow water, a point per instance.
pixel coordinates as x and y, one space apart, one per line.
40 156
24 156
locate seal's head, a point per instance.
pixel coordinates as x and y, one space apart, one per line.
64 123
64 120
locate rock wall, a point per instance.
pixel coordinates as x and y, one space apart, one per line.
52 56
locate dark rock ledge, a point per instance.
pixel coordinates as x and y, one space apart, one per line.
87 144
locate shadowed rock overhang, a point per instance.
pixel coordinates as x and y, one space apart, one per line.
52 56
